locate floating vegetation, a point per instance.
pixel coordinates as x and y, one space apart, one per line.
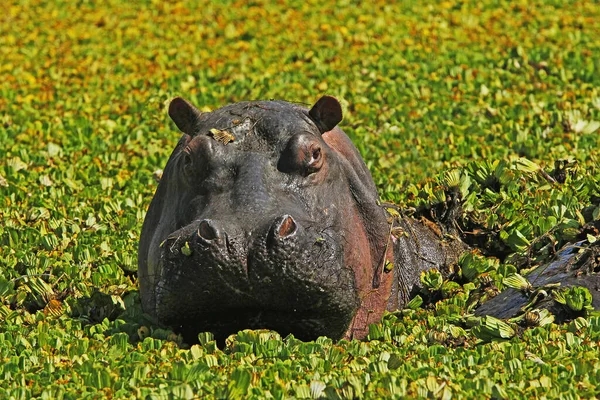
483 115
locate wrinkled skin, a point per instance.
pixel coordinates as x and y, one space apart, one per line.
279 228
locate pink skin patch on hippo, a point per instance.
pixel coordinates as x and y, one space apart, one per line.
359 255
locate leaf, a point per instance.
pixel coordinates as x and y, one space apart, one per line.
525 165
16 164
196 352
183 391
483 90
395 362
432 280
517 240
456 331
517 281
185 249
39 289
578 324
546 318
205 338
490 328
579 298
46 181
222 136
590 127
317 389
6 287
576 298
54 308
452 178
54 150
415 302
472 265
302 391
591 238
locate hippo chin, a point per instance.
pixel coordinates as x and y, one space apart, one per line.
266 217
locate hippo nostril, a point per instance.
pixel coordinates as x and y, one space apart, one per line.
283 228
286 226
207 231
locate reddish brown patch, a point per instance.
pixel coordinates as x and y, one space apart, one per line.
362 256
337 140
359 258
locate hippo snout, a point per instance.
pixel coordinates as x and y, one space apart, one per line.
284 227
214 239
252 277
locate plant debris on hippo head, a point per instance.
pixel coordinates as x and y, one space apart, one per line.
266 216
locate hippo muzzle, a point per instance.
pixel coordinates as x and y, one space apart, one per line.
282 274
265 217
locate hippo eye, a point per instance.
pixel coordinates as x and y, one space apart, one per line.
303 154
316 155
316 159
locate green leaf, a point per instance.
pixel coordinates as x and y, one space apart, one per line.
196 352
317 389
238 384
576 298
546 318
517 281
490 328
590 127
185 249
432 279
525 165
517 240
578 324
591 238
205 337
415 302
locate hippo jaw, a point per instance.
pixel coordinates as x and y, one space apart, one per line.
278 229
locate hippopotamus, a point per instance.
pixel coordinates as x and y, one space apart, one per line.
266 216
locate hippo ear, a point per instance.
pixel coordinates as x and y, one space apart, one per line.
184 114
326 113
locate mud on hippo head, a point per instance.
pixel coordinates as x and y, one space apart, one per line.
265 217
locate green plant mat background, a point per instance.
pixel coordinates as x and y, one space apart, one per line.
484 93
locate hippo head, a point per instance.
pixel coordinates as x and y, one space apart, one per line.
265 217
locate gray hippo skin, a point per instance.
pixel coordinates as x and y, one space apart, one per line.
266 216
574 265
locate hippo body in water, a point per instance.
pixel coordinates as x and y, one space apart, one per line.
266 216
